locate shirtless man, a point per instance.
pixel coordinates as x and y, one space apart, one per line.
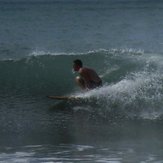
88 78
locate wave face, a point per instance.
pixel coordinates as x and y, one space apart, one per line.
133 80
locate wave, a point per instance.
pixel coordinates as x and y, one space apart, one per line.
47 71
133 80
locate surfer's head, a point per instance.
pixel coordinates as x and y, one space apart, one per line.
77 64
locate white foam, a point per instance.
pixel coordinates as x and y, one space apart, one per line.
141 92
125 51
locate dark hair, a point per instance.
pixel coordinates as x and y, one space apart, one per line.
78 62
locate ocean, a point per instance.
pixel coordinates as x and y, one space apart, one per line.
120 122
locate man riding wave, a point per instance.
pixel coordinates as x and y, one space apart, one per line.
88 78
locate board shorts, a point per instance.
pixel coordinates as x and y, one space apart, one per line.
95 84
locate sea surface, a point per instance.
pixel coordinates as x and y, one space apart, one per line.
120 122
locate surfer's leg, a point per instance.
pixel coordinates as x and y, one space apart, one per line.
80 82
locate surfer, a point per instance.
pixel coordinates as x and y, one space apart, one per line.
88 78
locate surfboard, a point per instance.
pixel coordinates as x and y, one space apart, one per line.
64 98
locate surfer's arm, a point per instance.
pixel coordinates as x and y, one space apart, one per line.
86 78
